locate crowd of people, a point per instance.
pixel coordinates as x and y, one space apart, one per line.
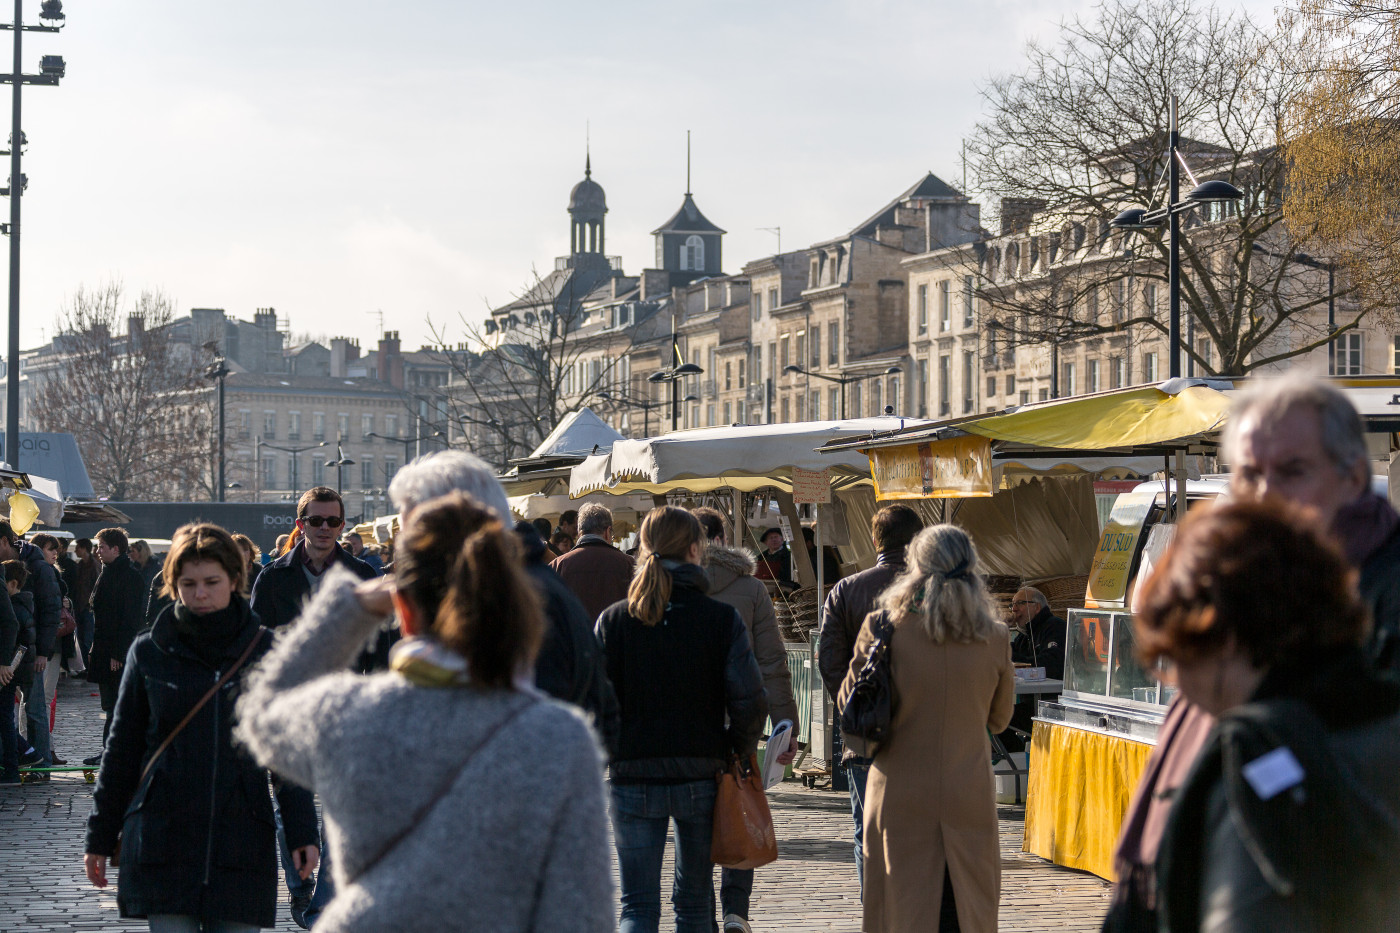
485 702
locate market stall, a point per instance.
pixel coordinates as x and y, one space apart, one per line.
1090 745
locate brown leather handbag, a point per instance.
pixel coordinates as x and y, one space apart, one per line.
743 826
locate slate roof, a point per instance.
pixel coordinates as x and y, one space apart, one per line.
687 220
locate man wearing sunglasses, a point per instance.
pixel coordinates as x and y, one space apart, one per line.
281 591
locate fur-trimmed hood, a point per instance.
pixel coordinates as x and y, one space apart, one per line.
724 565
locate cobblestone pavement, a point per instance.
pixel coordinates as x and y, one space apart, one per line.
812 886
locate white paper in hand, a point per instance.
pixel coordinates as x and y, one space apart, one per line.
777 744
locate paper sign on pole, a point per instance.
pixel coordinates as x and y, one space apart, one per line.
956 468
811 487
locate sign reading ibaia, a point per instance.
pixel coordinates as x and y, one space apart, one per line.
956 468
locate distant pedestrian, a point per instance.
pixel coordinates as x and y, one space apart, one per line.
596 571
570 664
355 544
251 552
546 531
730 572
850 601
500 822
561 543
48 607
192 810
569 523
1290 816
117 602
84 578
691 696
932 859
145 560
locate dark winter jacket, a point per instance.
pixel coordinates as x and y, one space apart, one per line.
84 579
282 590
732 582
156 601
850 601
677 680
198 834
570 664
117 602
1303 845
17 631
1380 591
1042 644
596 572
776 566
48 600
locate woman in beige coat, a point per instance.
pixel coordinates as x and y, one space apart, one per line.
932 860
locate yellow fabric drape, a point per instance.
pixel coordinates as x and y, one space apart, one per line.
1117 419
1078 793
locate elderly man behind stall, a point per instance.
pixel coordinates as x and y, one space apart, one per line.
1299 440
850 601
1040 634
596 571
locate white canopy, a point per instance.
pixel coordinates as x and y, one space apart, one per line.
576 434
745 457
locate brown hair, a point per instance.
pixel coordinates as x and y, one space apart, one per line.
204 541
894 526
318 494
16 571
113 537
667 532
711 520
45 541
247 544
462 567
1262 574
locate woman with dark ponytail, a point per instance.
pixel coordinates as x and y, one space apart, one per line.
456 796
680 663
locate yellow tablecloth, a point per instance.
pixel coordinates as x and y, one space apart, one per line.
1078 793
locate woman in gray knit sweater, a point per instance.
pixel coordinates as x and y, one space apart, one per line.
455 796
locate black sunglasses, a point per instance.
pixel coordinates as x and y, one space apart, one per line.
316 521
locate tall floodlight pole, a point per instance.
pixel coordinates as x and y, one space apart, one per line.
51 70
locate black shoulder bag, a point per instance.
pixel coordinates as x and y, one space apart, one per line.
870 707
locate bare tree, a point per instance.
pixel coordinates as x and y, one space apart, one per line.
545 354
130 395
1079 135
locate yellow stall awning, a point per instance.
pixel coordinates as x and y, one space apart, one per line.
1139 417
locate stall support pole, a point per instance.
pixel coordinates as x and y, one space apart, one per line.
1180 486
741 520
800 561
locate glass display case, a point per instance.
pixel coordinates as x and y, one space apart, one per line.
1101 667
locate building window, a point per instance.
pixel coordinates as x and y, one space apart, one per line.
366 472
1067 379
758 361
757 305
968 316
833 343
1026 396
1346 355
816 406
728 375
1044 394
783 360
1010 386
342 423
969 369
801 403
1120 300
1091 302
785 410
876 398
945 385
742 361
693 254
269 473
923 388
945 305
856 399
772 359
991 386
772 298
269 431
895 400
1149 300
923 309
728 413
245 418
834 403
710 415
816 348
391 466
294 426
1094 384
366 425
1119 376
1203 350
801 348
1149 367
1395 357
318 471
391 425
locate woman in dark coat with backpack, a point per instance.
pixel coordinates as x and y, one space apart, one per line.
193 812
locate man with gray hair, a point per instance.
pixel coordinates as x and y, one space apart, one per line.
596 571
570 664
1040 634
1293 439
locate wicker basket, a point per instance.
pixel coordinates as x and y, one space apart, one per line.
797 613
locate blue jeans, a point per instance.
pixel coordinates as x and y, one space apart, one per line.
325 885
9 732
735 888
857 770
184 923
296 885
85 626
642 813
36 709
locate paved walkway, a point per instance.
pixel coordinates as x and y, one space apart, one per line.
812 886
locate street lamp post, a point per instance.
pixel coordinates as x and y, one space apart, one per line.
674 375
646 405
219 371
407 442
340 463
842 381
51 69
259 444
1138 218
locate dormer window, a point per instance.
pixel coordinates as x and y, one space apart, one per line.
693 254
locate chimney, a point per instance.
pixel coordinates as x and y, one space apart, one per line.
655 283
135 326
341 354
1016 214
266 318
390 359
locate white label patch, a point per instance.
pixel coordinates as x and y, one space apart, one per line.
1273 773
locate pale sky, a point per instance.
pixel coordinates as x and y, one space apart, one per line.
338 159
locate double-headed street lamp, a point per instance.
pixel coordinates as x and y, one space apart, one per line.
1140 218
674 375
340 463
407 442
51 69
259 444
842 381
219 371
